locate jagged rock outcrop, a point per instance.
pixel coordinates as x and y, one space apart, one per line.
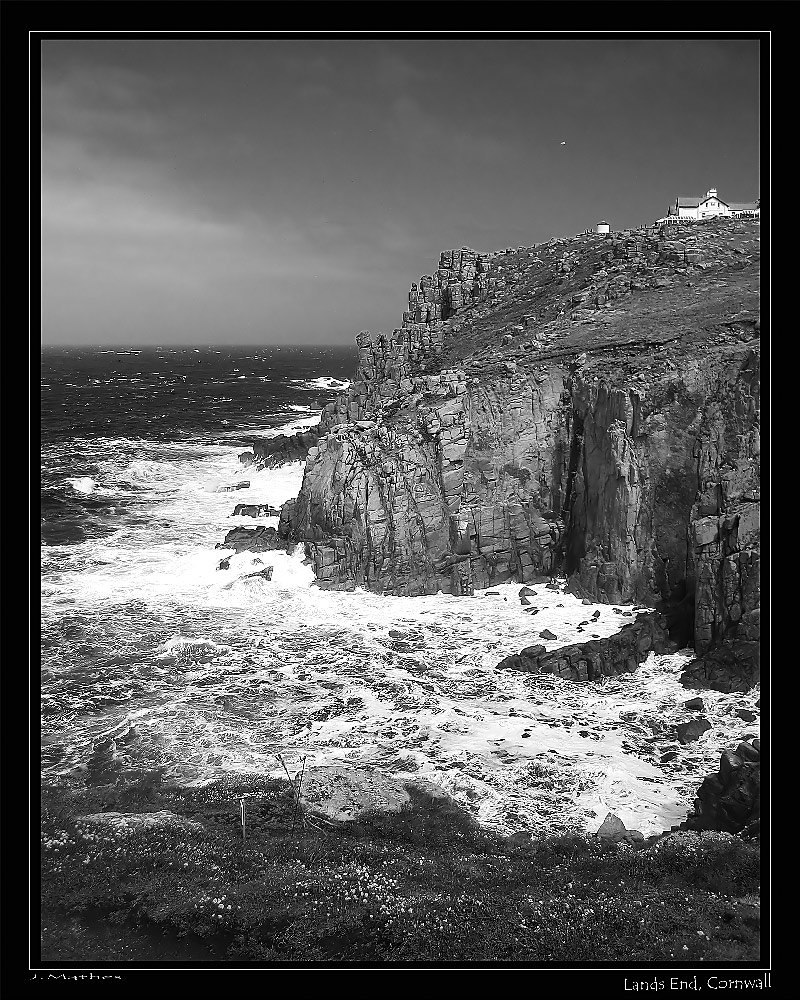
256 510
587 406
613 829
732 665
432 497
731 799
588 661
260 539
269 453
462 277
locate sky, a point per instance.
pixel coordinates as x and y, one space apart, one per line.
288 190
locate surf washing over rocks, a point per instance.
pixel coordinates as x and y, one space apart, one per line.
162 650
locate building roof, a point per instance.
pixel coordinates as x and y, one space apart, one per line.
743 206
688 202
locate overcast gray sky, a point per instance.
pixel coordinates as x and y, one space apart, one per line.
289 190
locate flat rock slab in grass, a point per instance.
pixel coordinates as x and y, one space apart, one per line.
344 793
142 821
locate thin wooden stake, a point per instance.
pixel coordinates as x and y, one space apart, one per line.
297 797
285 768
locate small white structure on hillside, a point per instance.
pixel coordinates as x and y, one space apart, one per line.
603 227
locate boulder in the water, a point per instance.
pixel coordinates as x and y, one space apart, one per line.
265 574
689 731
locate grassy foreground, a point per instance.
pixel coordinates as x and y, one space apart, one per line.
424 885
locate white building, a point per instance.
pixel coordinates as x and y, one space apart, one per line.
603 227
709 207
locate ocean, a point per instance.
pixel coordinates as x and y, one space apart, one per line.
158 656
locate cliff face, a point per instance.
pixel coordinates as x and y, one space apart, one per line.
588 407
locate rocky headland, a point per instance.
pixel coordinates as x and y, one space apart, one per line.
585 408
584 412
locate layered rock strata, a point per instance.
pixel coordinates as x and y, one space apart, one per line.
587 407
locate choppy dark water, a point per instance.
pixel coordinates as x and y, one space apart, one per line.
104 406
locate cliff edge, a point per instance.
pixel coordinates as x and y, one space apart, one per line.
586 407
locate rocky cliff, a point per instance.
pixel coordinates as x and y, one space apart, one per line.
730 800
586 407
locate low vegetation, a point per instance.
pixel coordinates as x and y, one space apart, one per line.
423 885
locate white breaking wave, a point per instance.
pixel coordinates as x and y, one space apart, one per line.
301 424
83 484
185 649
223 486
148 471
325 382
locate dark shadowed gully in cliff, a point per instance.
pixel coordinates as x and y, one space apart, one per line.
587 407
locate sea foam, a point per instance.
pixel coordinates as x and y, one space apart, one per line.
405 684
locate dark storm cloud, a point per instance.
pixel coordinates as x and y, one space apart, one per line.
288 190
